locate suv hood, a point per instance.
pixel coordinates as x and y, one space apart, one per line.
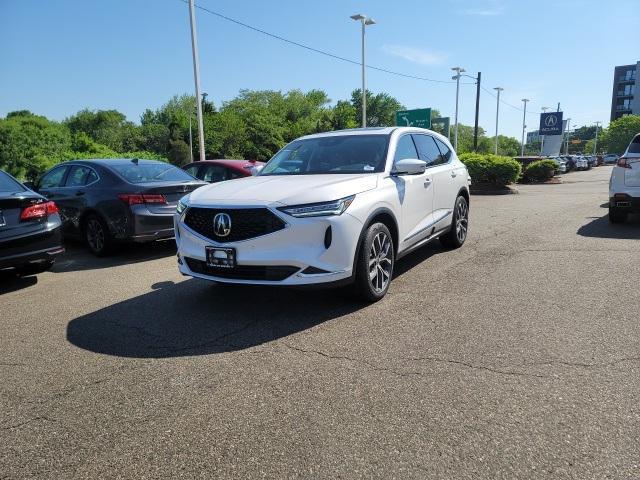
284 189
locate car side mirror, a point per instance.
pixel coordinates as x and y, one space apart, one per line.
409 166
256 170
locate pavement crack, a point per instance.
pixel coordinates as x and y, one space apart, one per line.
476 367
26 422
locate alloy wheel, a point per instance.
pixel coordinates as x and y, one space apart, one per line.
462 221
95 235
380 262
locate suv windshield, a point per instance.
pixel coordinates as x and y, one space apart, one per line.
151 172
8 184
333 154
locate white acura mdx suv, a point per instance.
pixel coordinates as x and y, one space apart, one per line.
624 185
331 208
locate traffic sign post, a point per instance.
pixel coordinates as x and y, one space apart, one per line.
420 117
551 123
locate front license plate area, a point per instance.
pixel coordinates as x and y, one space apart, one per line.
220 257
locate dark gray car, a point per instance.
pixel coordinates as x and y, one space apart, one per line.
111 200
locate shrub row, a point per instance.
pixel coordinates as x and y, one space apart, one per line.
491 169
540 171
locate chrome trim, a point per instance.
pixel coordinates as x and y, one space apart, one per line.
422 230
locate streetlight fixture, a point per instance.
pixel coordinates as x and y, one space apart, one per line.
595 143
459 71
498 89
364 21
524 125
196 76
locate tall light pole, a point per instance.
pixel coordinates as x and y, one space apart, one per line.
524 125
498 89
364 21
196 75
456 77
566 148
595 142
544 110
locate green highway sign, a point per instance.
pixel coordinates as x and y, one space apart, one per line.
420 117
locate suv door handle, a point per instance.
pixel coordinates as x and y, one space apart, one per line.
427 182
79 193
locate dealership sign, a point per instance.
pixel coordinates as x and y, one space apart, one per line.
551 123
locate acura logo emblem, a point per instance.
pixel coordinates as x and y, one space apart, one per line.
222 224
551 121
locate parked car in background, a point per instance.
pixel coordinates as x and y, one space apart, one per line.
593 161
624 185
570 162
610 159
30 229
330 208
114 200
582 163
212 171
561 163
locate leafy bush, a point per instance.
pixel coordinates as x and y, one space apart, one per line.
540 170
491 169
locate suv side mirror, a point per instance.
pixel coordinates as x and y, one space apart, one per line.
409 166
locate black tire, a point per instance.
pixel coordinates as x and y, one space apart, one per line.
34 268
97 235
376 257
616 216
457 234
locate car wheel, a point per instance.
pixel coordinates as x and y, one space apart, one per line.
34 268
374 268
457 234
616 216
97 235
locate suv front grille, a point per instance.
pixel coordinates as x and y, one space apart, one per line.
272 273
246 223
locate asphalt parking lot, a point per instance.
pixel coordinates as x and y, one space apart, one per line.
517 356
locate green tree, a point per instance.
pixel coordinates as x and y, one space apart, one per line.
507 146
30 144
107 127
617 137
381 108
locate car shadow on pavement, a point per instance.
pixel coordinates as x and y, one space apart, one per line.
196 317
78 257
11 283
602 228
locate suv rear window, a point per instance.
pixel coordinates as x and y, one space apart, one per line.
634 146
151 172
8 184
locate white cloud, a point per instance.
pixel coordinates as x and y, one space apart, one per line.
415 55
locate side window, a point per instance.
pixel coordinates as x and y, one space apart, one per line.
92 176
52 179
231 174
79 176
427 149
444 151
192 170
214 173
405 149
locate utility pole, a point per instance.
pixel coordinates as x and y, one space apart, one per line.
456 77
364 20
595 143
190 139
196 75
498 89
524 125
544 110
475 128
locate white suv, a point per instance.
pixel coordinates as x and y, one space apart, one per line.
624 186
329 208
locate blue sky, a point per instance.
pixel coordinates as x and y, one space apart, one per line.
59 56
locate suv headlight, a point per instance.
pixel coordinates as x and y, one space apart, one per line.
183 203
322 209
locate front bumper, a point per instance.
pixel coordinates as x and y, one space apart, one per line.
33 248
295 255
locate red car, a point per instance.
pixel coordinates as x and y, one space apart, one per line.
213 171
